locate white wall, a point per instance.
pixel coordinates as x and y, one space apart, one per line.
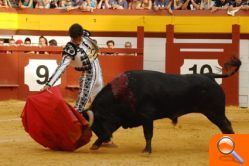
244 74
62 40
154 54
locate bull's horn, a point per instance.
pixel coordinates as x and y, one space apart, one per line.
91 117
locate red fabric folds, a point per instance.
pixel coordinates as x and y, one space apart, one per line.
53 123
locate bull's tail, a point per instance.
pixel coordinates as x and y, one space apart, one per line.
231 67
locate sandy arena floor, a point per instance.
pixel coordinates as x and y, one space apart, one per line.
186 144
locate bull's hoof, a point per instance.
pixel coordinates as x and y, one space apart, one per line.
109 144
95 147
147 151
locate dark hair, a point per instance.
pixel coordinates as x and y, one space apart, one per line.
75 30
53 4
110 41
52 42
27 39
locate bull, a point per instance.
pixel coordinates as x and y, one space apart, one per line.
137 98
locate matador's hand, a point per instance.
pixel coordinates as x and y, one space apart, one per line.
45 88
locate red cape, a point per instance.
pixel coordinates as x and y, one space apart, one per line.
53 123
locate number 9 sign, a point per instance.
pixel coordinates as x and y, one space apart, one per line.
201 66
37 73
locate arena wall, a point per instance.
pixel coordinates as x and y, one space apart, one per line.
199 24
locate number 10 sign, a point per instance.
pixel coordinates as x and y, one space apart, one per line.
37 73
201 66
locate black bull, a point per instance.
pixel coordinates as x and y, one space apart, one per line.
138 97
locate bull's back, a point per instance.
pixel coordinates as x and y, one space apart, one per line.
157 83
171 92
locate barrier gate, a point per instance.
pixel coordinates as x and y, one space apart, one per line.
186 58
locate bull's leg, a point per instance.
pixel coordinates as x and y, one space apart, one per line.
96 145
222 122
148 134
106 137
109 142
174 121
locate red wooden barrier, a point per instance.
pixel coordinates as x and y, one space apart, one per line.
12 69
175 56
9 82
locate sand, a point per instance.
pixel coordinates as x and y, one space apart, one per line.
185 144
